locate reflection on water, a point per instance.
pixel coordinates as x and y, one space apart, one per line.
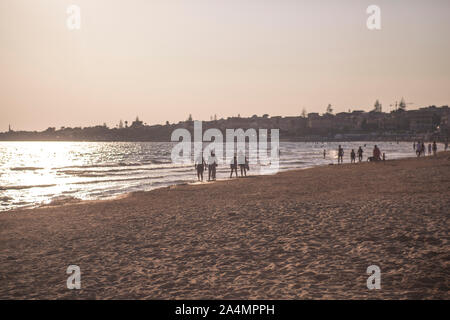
34 173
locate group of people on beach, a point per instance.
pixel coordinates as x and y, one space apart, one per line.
238 160
375 157
420 149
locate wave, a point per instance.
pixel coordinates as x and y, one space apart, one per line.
27 187
26 168
61 200
118 180
102 165
100 173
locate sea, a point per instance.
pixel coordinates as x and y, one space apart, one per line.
34 174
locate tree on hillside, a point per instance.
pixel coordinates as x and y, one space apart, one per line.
304 113
402 104
377 106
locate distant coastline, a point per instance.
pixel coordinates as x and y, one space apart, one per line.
430 123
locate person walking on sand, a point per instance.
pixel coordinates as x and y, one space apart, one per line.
429 149
212 164
233 166
324 153
434 148
200 167
360 154
353 156
423 148
340 154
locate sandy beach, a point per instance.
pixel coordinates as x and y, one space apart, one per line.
305 234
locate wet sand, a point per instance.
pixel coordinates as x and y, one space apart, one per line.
305 234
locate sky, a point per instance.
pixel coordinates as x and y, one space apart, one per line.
163 60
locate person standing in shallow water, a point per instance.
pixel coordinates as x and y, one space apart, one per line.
233 166
340 154
241 160
353 156
200 167
376 153
434 148
360 154
212 164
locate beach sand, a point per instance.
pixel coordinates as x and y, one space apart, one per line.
305 234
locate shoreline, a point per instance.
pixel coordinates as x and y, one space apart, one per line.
298 234
63 200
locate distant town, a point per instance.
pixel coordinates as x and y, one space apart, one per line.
427 123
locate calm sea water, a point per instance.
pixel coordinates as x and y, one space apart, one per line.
37 173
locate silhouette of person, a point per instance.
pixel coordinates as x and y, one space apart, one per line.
242 161
340 154
434 148
376 153
360 154
353 156
233 166
200 166
212 164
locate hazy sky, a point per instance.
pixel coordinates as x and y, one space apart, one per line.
163 60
